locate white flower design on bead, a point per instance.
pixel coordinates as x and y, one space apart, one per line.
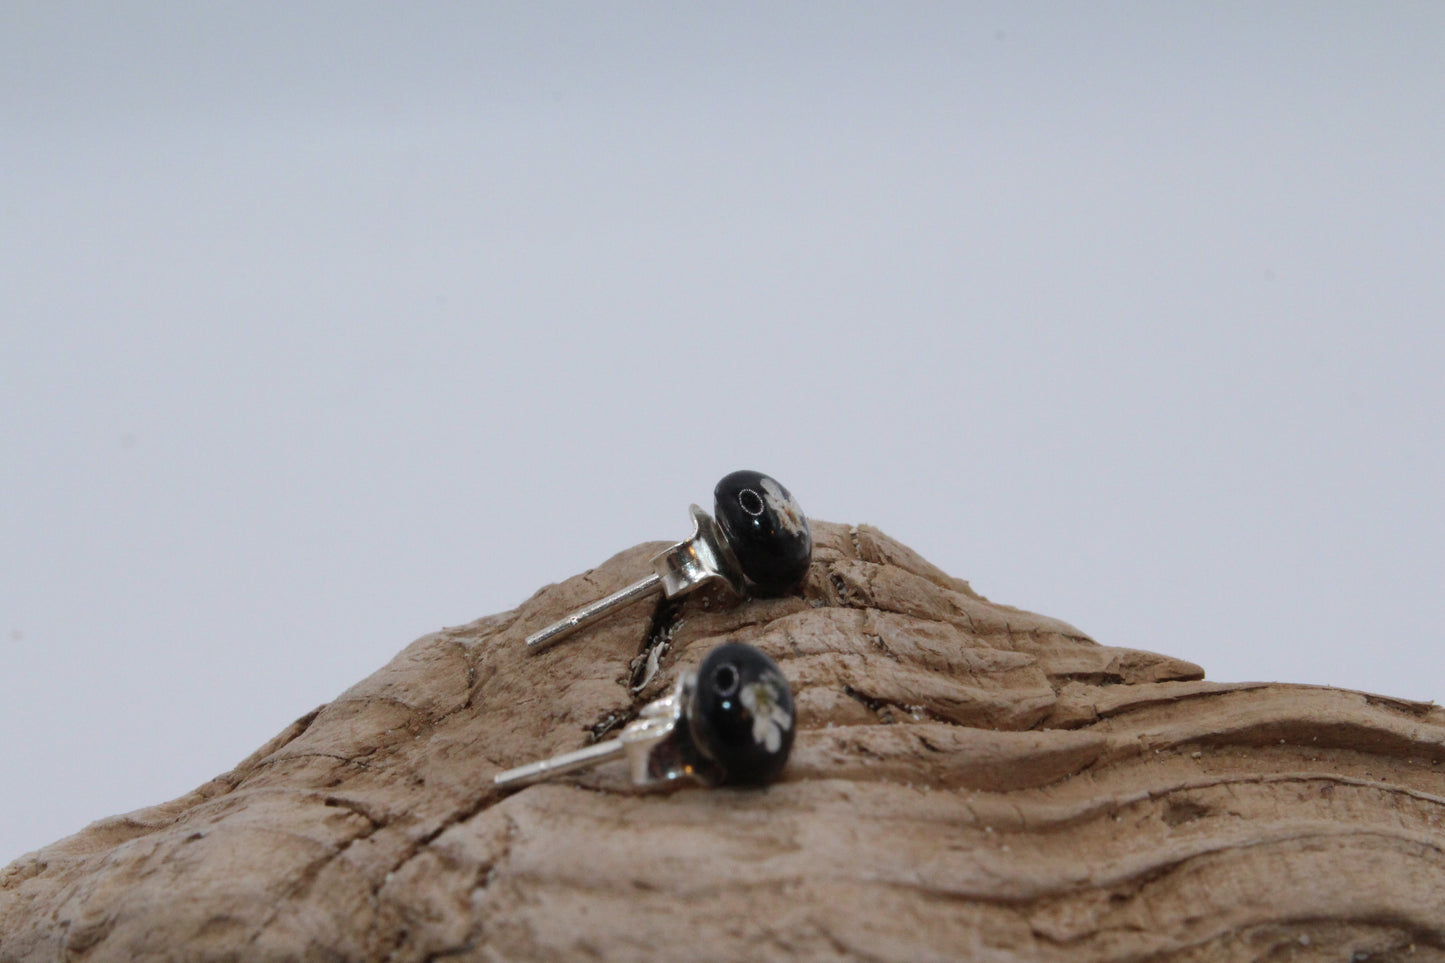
770 717
790 516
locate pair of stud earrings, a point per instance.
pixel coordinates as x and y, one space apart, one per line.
731 722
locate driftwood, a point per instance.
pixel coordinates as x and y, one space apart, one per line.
970 781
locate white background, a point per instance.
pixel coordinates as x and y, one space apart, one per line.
323 326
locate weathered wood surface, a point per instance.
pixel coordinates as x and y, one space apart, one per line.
970 781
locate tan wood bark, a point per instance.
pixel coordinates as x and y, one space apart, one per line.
970 781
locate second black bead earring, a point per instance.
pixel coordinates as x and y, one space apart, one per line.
759 545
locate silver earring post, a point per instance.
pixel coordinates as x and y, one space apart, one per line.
638 741
701 558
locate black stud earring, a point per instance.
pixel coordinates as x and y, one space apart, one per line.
759 545
730 723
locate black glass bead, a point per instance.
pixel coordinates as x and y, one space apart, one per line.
766 530
741 714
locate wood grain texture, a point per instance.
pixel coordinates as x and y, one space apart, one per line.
970 781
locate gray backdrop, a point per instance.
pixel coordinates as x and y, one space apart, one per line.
326 325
